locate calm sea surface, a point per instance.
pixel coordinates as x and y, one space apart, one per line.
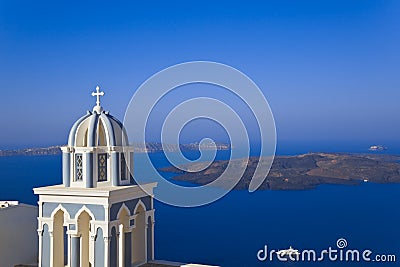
232 230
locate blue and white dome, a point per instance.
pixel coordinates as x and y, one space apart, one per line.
97 129
98 151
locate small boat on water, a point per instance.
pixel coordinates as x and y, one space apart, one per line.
377 148
288 252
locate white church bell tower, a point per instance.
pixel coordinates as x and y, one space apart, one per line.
99 216
97 153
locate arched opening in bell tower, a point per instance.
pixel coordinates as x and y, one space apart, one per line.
139 236
124 239
59 240
86 246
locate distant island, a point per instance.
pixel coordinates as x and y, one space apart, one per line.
52 150
138 148
305 171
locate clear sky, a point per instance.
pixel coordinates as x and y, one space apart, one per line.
329 69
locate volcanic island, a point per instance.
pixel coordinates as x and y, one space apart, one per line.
300 172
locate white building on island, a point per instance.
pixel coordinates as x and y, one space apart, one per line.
98 216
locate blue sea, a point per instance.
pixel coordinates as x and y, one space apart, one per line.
230 231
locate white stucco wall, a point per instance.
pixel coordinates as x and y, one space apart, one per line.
18 235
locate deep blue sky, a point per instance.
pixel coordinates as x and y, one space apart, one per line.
329 69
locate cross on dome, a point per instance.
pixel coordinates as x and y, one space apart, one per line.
97 94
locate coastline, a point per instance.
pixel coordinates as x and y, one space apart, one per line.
148 148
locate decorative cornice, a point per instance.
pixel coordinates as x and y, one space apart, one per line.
117 192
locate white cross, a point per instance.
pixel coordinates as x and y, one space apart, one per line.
97 95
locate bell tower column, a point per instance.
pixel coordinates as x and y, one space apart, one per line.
89 169
66 166
107 240
75 251
40 234
115 168
121 245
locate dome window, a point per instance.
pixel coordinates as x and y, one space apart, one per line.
78 167
102 167
123 168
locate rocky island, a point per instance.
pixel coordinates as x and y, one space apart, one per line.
304 171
